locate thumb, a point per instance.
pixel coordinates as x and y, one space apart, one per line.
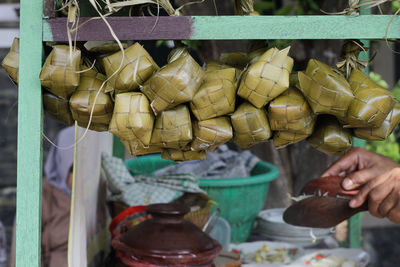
357 179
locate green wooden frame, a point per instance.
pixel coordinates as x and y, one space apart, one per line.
34 30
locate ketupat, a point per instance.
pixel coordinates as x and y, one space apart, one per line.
371 104
58 108
291 112
210 134
267 77
132 118
330 137
173 128
282 139
60 72
137 66
181 155
250 126
11 61
216 96
382 132
325 89
174 84
135 147
82 102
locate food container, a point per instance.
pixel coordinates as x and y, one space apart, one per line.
166 239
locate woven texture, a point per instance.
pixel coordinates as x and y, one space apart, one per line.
82 102
58 108
250 126
11 61
180 155
371 104
60 71
330 137
291 112
174 84
282 139
216 96
210 134
135 147
173 128
325 89
137 66
267 77
382 132
132 118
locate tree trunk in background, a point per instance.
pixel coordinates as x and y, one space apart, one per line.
300 162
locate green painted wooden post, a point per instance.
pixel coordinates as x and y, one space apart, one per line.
118 148
354 227
29 169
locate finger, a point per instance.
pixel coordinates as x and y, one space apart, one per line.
376 196
358 178
388 203
394 213
344 164
361 197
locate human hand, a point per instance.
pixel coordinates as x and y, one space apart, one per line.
359 166
383 194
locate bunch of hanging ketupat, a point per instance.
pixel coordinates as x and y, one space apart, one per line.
183 110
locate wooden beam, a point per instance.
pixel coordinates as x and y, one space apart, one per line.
229 28
29 168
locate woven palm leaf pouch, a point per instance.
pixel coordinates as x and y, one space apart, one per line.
250 125
60 72
371 104
330 137
173 128
58 108
282 139
83 101
291 112
325 89
180 155
174 84
382 132
135 147
132 119
210 134
11 61
136 67
216 96
267 77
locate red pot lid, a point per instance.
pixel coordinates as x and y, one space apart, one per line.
168 239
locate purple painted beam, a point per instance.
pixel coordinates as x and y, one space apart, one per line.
143 28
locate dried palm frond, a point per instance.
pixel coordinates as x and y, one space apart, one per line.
282 139
267 77
132 118
135 147
174 84
371 104
11 61
235 59
382 132
60 72
330 137
291 112
245 7
137 66
210 134
216 96
325 89
179 155
58 108
82 102
250 125
173 128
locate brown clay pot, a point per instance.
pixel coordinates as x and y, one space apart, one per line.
167 239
